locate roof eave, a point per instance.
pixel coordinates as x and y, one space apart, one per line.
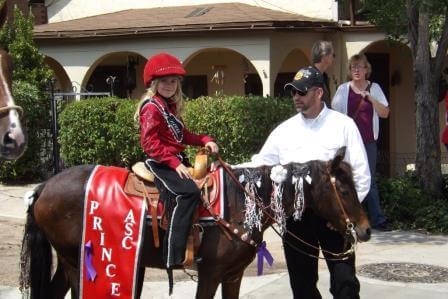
129 32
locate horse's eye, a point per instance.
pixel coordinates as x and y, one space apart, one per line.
345 193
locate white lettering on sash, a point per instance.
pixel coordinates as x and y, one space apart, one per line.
123 243
93 206
97 223
130 217
106 253
102 239
108 270
128 229
115 289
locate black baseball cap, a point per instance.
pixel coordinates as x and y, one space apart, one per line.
305 79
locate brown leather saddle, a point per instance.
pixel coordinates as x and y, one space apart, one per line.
140 183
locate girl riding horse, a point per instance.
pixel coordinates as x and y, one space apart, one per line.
163 137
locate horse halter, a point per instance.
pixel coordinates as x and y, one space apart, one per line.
5 109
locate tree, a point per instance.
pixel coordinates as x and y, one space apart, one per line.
423 24
29 84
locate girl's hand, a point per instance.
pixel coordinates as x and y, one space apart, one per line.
183 172
212 146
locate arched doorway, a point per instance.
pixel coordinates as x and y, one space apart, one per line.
220 71
392 70
117 73
295 60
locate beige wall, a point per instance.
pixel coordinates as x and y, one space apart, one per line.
233 65
265 55
63 10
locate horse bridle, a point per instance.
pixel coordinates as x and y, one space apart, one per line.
350 227
8 108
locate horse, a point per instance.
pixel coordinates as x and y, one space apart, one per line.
12 137
54 219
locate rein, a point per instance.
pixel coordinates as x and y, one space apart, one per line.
350 227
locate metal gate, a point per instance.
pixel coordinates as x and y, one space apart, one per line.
58 102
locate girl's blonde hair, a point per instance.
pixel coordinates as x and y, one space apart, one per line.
152 90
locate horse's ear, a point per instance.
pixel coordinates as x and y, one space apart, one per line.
338 157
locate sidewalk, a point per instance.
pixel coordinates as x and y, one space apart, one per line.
384 247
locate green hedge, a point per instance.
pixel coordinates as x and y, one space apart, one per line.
407 207
240 125
99 131
102 131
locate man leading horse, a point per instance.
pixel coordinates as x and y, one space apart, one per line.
316 133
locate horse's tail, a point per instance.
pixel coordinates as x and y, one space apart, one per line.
35 256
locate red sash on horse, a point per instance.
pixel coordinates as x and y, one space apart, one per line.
112 234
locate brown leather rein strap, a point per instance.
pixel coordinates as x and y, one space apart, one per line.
339 256
11 107
225 225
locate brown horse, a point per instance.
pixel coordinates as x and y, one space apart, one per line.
55 217
12 138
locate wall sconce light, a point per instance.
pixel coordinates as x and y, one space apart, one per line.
265 74
218 75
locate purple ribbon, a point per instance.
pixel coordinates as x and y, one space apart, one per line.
91 272
263 252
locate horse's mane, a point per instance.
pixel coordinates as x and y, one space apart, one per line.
235 195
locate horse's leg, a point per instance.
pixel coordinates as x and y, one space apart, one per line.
231 287
207 285
140 279
72 274
59 284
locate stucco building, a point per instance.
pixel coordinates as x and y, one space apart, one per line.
231 47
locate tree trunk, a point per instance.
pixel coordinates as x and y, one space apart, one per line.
427 117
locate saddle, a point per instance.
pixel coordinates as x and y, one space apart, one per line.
140 183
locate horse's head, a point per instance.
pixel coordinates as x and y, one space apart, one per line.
12 138
258 188
330 191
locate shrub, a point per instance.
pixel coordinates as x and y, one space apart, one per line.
102 131
239 124
408 207
98 131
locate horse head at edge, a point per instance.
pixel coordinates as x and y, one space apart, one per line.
12 136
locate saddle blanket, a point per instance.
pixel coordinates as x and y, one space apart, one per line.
216 200
112 236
